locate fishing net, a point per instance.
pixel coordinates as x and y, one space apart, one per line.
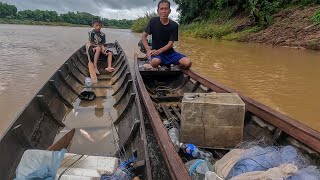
261 159
123 174
258 157
308 173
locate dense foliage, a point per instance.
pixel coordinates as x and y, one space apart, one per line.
140 23
260 10
81 18
7 10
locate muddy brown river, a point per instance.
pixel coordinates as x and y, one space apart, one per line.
282 78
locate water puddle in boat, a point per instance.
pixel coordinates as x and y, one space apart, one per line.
94 133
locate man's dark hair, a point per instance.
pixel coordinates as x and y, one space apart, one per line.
163 1
96 20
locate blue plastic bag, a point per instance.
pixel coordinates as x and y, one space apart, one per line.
39 164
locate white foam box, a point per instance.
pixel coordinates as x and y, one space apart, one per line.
86 168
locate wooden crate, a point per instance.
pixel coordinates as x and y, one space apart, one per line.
212 120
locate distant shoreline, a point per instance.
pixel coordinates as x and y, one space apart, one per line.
42 23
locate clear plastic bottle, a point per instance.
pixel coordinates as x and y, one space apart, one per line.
88 82
196 152
198 168
174 136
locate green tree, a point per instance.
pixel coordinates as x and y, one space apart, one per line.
7 10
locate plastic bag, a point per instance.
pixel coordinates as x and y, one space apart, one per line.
39 164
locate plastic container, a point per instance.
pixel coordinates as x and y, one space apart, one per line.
198 168
196 152
88 82
174 136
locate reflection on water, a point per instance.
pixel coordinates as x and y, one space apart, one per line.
95 134
282 78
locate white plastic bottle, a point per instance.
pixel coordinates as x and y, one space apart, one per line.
174 136
88 82
196 152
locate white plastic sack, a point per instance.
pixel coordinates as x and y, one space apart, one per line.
278 173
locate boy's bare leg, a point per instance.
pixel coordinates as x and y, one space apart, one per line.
109 67
96 58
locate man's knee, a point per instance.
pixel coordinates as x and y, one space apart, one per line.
185 63
155 62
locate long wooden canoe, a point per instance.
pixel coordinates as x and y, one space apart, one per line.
260 120
56 109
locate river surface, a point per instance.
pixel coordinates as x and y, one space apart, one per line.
282 78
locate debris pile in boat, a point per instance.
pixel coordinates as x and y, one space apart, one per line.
254 163
265 163
257 162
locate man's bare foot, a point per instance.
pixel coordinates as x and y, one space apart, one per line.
149 67
109 69
96 69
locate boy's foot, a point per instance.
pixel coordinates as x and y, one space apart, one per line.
97 72
109 69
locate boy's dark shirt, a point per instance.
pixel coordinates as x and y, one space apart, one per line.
162 34
97 37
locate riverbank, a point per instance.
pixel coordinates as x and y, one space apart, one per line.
30 22
293 27
42 23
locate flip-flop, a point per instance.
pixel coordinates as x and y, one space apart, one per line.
87 96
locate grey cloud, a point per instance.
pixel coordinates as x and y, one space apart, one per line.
125 8
92 6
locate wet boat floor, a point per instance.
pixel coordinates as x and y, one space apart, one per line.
92 121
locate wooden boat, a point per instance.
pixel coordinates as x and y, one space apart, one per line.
56 109
259 119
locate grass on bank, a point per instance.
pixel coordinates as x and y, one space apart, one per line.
316 17
141 23
216 31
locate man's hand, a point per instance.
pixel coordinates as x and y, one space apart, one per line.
150 53
104 50
155 52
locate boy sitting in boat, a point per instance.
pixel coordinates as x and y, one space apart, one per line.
97 40
164 32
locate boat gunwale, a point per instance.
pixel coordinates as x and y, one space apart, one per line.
138 103
174 163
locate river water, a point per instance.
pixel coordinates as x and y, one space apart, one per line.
282 78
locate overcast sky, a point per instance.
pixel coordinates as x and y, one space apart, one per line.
111 9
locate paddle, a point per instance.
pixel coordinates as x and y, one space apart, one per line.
92 72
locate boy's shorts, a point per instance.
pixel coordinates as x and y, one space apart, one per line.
102 56
172 58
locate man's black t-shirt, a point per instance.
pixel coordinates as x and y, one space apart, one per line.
162 34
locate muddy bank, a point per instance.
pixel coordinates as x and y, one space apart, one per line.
291 27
